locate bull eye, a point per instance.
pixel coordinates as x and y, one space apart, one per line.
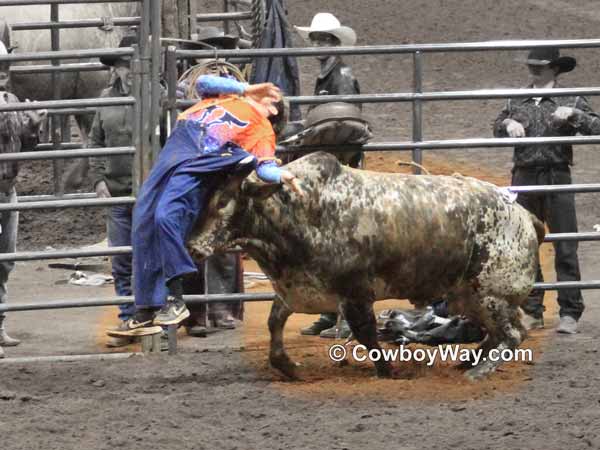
222 203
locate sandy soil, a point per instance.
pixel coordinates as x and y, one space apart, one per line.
208 397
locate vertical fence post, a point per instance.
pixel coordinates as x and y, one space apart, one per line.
56 119
136 72
171 68
155 92
144 155
417 109
226 22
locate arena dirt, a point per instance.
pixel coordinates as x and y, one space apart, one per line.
206 399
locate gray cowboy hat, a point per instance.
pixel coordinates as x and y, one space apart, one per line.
215 37
126 41
550 56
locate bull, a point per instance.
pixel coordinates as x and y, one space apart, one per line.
359 236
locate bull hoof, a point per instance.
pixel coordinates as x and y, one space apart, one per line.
463 366
387 371
478 373
287 367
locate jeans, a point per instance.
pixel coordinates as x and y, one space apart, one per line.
9 221
557 210
119 234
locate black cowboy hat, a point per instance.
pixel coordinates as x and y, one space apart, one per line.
550 56
126 41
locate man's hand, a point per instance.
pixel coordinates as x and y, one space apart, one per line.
290 180
564 114
261 90
514 129
36 116
102 190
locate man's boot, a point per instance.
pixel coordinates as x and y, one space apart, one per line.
2 355
6 340
567 325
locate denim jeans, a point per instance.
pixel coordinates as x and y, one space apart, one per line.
119 234
9 221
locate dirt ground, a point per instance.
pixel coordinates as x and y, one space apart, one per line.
208 397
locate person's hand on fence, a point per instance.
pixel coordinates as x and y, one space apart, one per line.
102 190
514 129
259 91
36 116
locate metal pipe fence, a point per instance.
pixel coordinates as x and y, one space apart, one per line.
145 69
82 23
59 2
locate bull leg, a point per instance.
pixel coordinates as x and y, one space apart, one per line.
278 358
499 318
362 322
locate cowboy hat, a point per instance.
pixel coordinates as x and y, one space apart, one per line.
550 56
126 41
328 23
215 37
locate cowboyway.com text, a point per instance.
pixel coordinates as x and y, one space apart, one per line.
443 353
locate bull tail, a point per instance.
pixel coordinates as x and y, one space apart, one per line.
540 229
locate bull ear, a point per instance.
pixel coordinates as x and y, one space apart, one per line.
258 189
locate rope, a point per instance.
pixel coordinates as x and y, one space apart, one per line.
212 67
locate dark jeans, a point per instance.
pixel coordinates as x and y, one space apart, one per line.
558 212
119 234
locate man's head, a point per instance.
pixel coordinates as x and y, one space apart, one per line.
122 65
545 64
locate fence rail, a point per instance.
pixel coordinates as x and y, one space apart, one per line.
59 2
81 23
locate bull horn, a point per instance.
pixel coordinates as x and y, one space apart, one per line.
414 164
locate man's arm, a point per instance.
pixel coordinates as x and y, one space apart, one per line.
98 164
584 119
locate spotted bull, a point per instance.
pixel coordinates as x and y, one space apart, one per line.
359 236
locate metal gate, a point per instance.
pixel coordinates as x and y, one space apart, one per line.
146 96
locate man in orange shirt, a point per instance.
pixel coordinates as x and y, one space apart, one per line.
216 137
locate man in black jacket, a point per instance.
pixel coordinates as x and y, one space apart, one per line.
548 164
335 78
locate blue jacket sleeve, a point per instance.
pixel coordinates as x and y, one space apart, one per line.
269 172
210 86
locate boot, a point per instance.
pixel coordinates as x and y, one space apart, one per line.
6 340
567 325
2 355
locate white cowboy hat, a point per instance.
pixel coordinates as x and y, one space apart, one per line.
328 23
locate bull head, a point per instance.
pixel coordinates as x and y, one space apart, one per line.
226 219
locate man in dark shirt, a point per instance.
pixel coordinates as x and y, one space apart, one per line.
18 131
549 164
112 127
335 78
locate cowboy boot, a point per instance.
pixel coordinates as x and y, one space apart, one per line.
6 340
